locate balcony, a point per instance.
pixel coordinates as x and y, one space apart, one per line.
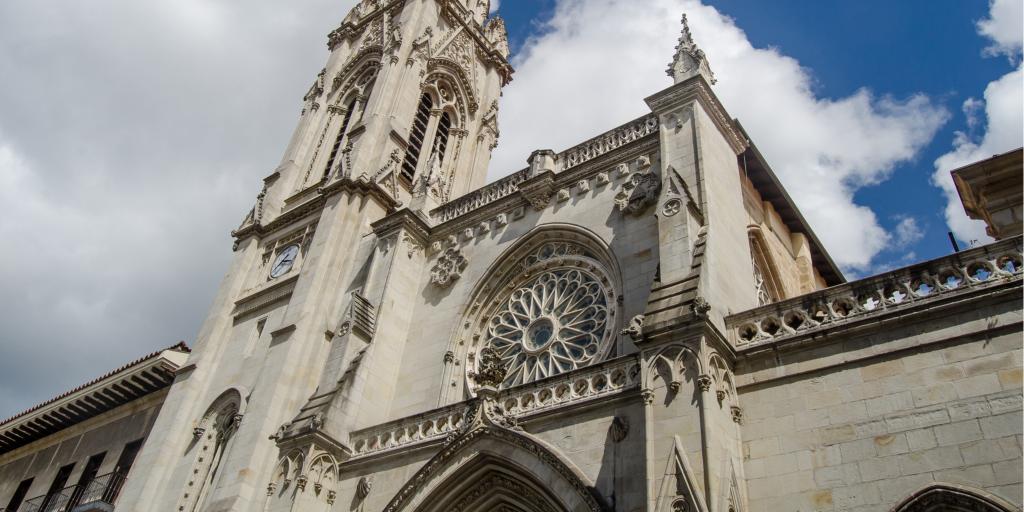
99 495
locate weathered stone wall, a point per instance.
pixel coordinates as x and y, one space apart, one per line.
860 423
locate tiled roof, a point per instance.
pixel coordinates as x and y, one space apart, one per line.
129 382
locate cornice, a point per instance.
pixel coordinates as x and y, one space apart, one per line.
697 89
404 219
359 187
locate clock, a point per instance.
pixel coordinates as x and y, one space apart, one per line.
284 262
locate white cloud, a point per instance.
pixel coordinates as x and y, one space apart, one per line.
907 232
132 140
1004 117
1004 26
596 60
495 5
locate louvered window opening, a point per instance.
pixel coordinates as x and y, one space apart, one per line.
339 139
416 136
441 140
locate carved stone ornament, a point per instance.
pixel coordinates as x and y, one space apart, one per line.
704 382
635 329
317 487
300 482
619 429
672 207
538 190
331 496
638 194
448 268
490 369
198 432
680 505
271 488
647 396
701 307
720 395
737 414
316 422
364 487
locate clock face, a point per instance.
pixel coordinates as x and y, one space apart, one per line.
285 260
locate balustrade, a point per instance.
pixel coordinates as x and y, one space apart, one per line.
901 289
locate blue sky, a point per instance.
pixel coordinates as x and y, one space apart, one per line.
897 49
134 136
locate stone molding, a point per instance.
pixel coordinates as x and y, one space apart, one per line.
943 496
574 388
697 89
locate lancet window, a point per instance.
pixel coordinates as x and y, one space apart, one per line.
766 288
417 134
437 117
340 138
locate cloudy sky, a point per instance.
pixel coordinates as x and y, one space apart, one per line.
133 136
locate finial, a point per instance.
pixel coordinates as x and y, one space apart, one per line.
689 60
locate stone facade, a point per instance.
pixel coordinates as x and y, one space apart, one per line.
643 321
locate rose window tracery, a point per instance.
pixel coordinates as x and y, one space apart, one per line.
553 323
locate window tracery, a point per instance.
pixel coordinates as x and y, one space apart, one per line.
766 288
552 311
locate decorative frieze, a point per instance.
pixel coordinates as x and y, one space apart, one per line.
612 140
498 190
880 295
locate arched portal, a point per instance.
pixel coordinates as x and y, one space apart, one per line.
493 469
952 498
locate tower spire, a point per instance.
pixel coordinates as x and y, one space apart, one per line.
689 60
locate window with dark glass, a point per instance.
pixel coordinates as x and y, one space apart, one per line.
416 136
92 467
59 482
340 138
19 495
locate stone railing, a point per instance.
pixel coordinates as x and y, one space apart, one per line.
604 143
579 386
408 431
499 189
582 385
902 289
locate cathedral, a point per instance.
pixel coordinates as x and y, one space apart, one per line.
641 322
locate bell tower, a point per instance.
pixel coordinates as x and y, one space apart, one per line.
401 119
408 102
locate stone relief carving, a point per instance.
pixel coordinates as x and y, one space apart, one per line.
635 329
639 193
448 268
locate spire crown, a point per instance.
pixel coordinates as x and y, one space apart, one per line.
689 60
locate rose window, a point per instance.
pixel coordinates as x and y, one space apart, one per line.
553 323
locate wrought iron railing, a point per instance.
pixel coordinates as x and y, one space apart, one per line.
102 489
898 290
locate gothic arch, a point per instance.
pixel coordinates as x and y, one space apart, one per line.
768 287
672 365
941 497
366 61
556 249
443 70
497 469
212 434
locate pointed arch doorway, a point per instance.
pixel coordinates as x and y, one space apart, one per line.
489 484
492 469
